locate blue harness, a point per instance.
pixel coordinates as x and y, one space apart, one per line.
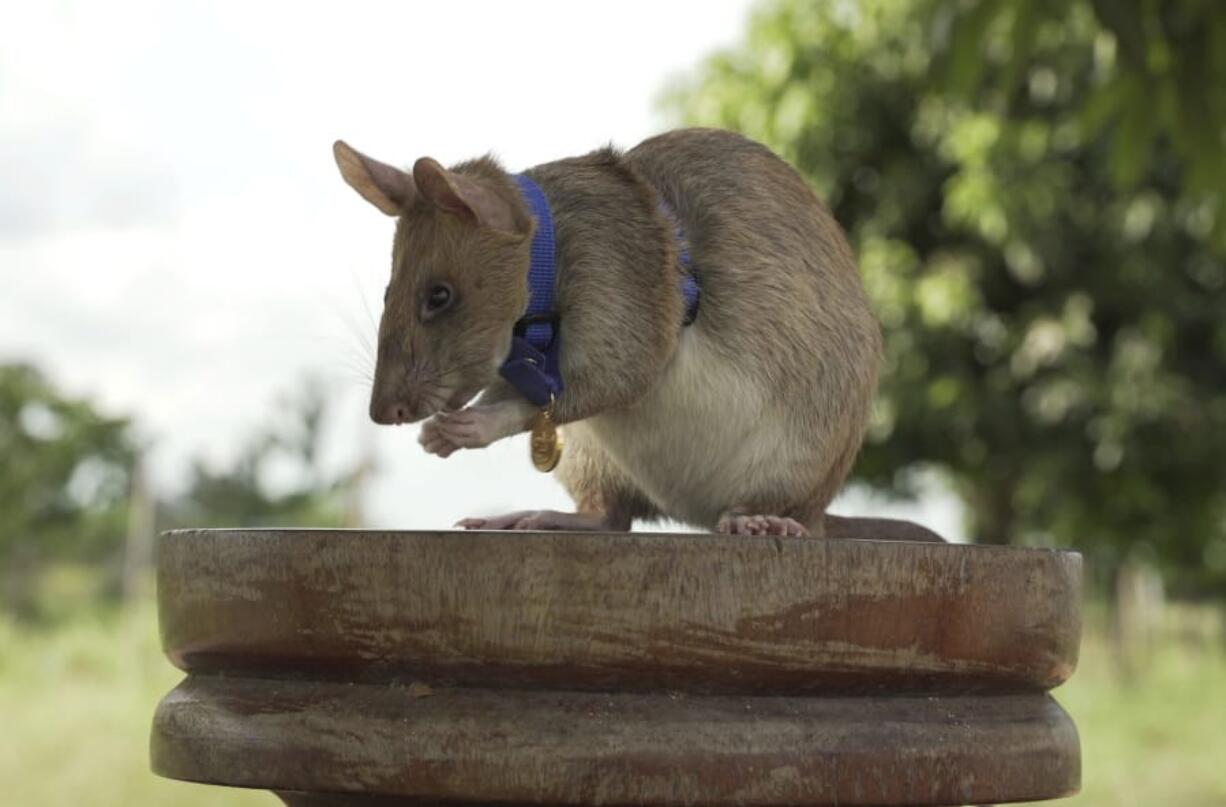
533 367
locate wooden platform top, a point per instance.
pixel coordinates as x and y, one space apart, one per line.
619 612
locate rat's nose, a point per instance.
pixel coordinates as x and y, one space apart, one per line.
389 413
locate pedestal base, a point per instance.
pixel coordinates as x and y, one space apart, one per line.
353 668
575 748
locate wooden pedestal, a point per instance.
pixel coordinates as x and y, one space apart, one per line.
395 668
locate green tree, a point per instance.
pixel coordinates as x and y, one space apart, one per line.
277 478
1053 301
68 479
64 486
1157 63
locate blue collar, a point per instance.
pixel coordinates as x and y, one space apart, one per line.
533 366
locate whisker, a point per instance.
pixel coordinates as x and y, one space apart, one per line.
370 317
360 362
356 331
347 377
354 361
360 377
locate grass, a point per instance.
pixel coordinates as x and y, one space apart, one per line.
76 704
1158 735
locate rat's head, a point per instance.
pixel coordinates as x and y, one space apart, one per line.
459 263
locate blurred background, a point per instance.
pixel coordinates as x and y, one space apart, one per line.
188 296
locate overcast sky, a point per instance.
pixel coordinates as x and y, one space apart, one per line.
176 244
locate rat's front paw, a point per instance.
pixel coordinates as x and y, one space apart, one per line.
474 427
435 440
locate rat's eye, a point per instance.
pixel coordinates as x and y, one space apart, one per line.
439 298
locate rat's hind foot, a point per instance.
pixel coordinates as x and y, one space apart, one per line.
540 520
741 524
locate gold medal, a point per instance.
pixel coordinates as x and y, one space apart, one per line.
546 442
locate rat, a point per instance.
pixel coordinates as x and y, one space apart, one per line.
743 416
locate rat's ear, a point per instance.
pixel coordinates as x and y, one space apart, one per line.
468 198
385 187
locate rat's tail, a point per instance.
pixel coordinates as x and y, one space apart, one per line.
878 529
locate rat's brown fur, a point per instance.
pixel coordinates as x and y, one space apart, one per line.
446 361
758 407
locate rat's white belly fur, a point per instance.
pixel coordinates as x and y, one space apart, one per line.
706 439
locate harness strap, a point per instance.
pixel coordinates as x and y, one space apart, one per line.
533 367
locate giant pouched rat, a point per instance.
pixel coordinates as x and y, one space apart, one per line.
746 421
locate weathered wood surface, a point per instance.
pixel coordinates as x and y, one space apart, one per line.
383 668
627 612
620 748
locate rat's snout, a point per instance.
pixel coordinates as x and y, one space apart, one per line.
397 395
391 409
390 413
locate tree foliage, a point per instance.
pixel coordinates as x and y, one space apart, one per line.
1157 67
1048 277
68 473
276 479
64 485
66 469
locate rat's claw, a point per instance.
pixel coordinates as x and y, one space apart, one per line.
785 526
743 524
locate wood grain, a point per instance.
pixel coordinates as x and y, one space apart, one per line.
387 669
582 748
628 612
